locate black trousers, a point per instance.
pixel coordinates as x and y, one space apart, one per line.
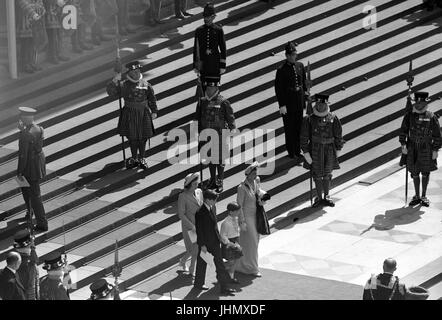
32 197
222 275
292 129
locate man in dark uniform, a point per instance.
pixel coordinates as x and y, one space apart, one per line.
53 21
209 240
385 286
290 88
32 164
102 290
11 287
209 50
51 285
420 138
321 142
28 270
140 108
29 18
215 112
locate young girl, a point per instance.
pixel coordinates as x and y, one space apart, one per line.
229 233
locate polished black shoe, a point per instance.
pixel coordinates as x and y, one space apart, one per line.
219 186
235 281
41 228
328 201
415 201
142 164
425 202
201 288
180 17
187 14
227 291
131 163
211 184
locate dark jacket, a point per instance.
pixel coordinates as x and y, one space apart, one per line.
11 287
209 50
290 86
207 228
31 159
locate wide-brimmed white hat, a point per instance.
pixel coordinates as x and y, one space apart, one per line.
190 178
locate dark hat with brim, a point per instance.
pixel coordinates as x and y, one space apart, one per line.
290 47
209 10
210 194
53 261
233 206
26 111
320 97
212 81
421 96
134 65
100 289
22 239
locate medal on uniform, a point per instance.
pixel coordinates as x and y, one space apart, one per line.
297 88
208 51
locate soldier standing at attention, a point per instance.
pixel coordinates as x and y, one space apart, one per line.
28 270
140 108
209 50
290 88
51 285
321 142
385 286
215 112
32 164
420 138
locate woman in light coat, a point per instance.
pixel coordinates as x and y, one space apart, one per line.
189 202
249 237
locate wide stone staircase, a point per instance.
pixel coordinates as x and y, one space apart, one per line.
91 200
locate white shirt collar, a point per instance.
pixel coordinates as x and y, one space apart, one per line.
12 270
207 206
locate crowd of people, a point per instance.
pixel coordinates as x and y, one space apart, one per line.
314 139
40 28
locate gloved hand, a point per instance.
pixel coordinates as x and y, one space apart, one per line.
434 156
35 17
222 71
154 116
117 78
283 110
308 158
404 149
196 71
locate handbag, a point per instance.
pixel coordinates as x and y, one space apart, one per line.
262 223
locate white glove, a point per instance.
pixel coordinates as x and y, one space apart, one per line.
60 3
308 158
435 154
222 71
35 17
283 110
404 149
154 116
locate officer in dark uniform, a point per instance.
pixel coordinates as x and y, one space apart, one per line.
32 164
28 270
140 108
209 50
215 112
385 286
421 139
51 285
102 290
290 88
321 142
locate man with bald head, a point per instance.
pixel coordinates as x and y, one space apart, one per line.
385 286
11 287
